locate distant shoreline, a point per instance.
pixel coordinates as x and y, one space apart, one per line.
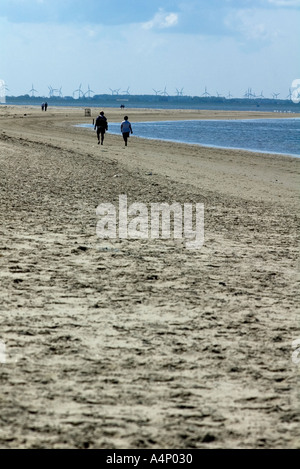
160 102
163 113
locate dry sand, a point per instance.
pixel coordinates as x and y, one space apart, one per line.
144 344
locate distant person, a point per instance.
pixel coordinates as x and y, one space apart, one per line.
43 106
126 129
46 105
101 126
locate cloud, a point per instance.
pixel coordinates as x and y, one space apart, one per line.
162 20
180 45
251 26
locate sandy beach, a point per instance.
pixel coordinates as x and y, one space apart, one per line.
131 343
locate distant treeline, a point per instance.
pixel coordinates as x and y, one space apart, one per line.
123 99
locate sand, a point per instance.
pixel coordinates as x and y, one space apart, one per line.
144 343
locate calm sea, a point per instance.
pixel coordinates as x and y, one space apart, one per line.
263 135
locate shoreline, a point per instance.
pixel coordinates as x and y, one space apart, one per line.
205 145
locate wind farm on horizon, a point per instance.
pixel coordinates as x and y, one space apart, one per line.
163 93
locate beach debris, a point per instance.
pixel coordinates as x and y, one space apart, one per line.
208 438
79 248
152 277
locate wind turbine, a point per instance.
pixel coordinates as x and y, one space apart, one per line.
58 91
79 91
55 90
156 91
205 93
32 91
289 96
164 93
51 91
115 91
275 95
179 92
229 95
261 95
248 94
89 91
126 91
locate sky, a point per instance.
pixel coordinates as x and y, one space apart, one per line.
222 47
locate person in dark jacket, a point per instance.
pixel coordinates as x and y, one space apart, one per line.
101 126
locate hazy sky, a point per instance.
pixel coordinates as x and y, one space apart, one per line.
141 45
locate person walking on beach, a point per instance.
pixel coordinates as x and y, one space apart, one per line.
101 126
126 129
46 105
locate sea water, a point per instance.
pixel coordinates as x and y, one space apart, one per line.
260 135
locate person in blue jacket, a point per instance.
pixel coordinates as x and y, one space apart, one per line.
126 129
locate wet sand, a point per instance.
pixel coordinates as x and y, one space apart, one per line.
144 343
